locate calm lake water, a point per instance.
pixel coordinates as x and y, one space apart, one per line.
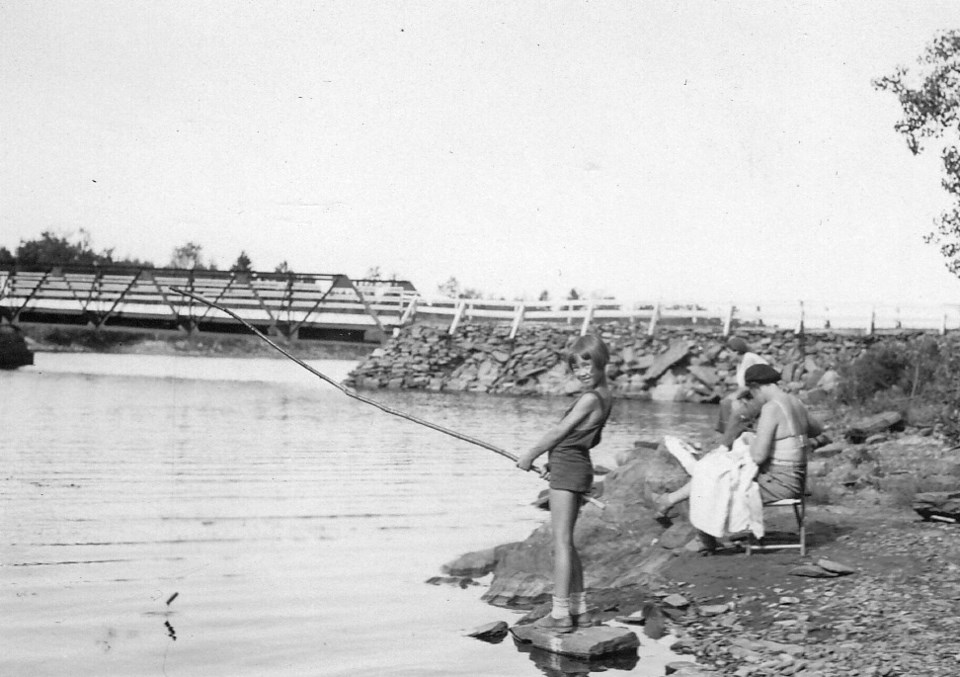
214 516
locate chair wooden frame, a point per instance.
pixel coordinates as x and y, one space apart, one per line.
799 506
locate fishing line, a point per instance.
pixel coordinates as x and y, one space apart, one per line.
350 392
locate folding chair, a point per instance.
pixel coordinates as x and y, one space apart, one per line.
799 506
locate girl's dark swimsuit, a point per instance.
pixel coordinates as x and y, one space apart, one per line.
569 461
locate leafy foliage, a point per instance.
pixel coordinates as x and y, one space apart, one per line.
52 249
452 289
243 264
189 255
879 368
930 99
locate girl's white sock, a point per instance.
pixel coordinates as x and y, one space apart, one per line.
578 602
561 607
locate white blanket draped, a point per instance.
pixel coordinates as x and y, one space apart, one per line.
724 498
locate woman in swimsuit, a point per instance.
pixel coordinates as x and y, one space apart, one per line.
779 447
783 436
571 478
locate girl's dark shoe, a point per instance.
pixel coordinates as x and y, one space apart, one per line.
548 622
584 620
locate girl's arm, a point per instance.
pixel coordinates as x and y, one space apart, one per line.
762 445
557 432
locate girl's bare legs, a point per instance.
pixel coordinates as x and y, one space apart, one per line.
567 568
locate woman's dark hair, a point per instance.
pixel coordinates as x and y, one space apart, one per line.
589 347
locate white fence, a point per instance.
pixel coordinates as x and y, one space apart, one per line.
798 316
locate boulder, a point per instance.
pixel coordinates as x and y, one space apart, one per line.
687 669
677 352
491 632
654 621
457 581
523 576
830 381
706 375
472 564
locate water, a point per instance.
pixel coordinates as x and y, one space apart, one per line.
213 516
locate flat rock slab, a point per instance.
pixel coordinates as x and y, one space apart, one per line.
595 642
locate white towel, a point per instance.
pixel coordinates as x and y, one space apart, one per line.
724 498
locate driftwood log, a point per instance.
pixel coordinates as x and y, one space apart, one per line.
943 506
874 425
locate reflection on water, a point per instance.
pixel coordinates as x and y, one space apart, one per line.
557 665
216 516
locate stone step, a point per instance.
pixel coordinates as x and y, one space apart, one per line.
589 643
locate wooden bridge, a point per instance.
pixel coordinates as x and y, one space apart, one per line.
303 306
334 307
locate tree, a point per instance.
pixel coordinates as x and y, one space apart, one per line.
450 288
930 98
51 249
189 255
453 289
242 264
283 267
373 273
56 250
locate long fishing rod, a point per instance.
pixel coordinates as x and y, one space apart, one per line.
350 392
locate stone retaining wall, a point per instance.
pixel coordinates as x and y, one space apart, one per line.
689 364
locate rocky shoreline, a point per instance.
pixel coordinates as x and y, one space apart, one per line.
890 611
680 364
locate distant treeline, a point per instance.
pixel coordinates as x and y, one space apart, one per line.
52 249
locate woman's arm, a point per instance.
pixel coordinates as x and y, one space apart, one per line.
762 445
814 427
586 405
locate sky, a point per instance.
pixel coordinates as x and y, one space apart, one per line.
650 151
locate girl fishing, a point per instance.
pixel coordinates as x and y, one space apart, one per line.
570 472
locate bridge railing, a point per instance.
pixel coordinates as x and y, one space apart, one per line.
798 316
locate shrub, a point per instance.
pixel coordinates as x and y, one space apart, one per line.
880 368
919 377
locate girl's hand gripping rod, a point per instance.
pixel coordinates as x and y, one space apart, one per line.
349 392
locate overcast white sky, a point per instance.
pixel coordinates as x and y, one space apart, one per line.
712 151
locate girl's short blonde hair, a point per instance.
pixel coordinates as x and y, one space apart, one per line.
589 347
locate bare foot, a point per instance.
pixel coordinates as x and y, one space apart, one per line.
663 505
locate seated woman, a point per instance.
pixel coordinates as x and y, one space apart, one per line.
779 447
783 436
